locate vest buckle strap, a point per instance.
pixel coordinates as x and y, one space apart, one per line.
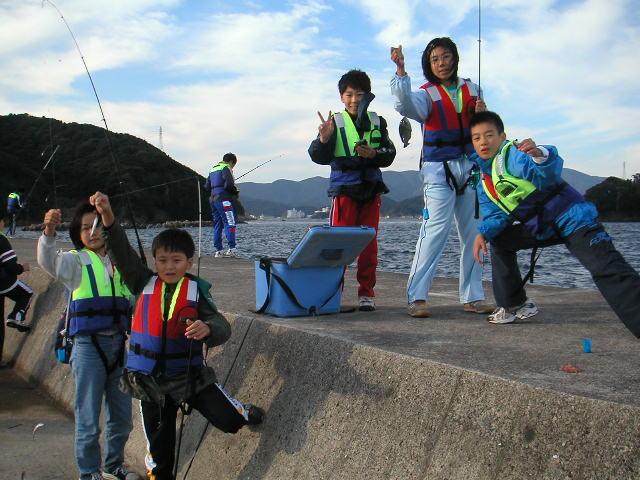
95 312
439 143
138 350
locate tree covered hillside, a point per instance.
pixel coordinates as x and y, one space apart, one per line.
83 164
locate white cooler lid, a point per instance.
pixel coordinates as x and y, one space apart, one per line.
325 246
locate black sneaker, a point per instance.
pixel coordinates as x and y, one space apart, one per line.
255 415
121 473
16 320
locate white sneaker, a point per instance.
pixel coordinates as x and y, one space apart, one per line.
231 253
366 304
526 310
502 315
218 254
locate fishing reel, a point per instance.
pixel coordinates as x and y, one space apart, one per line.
186 314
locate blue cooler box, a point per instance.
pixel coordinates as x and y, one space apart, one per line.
309 281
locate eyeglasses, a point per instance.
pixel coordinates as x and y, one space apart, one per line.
446 58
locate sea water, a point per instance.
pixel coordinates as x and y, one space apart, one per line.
396 245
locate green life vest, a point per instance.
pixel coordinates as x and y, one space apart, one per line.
347 134
220 166
100 302
508 191
93 270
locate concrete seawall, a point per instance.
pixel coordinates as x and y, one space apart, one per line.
385 396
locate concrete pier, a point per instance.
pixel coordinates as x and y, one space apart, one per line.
382 395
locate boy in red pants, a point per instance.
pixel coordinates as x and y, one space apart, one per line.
355 143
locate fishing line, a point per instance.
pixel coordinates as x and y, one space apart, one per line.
224 383
106 133
53 166
40 174
255 168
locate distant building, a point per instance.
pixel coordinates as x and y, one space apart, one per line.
293 213
322 213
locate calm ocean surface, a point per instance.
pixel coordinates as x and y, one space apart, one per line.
396 244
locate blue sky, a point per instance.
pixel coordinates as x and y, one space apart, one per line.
249 76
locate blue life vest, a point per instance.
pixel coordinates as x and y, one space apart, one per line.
100 302
217 180
158 343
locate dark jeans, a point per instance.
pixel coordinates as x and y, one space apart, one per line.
11 228
617 281
21 294
214 403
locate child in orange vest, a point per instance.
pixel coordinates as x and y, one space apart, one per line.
174 318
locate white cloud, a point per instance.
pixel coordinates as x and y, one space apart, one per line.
110 35
252 82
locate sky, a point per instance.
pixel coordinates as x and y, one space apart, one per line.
249 76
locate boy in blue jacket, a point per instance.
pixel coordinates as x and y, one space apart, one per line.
522 183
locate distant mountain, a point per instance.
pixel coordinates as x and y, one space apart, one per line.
83 164
581 181
405 196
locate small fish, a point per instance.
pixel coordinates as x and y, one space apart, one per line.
405 131
96 222
35 429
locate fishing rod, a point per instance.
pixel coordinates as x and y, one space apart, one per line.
479 40
41 172
186 410
152 186
255 168
106 133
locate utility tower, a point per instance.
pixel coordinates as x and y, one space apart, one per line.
160 146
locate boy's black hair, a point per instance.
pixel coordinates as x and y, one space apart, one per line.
76 223
229 158
487 117
356 79
446 43
174 240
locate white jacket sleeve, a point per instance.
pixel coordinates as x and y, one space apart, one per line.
63 266
415 105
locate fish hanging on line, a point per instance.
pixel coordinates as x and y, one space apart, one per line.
405 131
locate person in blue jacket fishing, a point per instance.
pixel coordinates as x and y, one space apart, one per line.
443 107
14 205
223 191
526 204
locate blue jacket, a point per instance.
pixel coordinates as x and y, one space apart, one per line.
221 184
578 213
14 202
